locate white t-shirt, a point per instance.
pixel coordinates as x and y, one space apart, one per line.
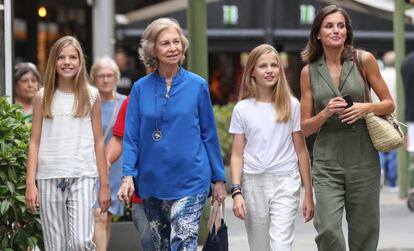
268 144
67 146
410 137
389 76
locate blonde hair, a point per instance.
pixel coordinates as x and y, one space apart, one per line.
82 104
281 91
147 52
101 63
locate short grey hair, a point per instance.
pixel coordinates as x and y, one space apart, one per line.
104 62
146 52
25 67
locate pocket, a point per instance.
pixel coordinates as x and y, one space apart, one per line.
292 183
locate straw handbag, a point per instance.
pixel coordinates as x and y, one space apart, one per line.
385 131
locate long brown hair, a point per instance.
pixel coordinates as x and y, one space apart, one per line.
82 104
314 49
281 90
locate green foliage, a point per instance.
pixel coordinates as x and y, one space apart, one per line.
19 228
222 115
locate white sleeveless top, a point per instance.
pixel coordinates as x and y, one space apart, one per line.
67 147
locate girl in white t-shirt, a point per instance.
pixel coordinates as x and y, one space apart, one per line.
269 150
66 152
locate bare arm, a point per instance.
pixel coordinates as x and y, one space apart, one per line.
104 195
373 75
311 123
113 149
304 169
371 70
236 166
32 198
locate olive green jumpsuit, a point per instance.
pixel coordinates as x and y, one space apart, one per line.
346 168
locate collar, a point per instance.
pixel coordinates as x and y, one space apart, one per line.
178 77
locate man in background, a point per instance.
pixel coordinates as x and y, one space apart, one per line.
128 74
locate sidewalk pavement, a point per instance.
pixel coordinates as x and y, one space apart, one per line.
397 227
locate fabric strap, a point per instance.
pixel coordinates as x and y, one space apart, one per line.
215 218
113 117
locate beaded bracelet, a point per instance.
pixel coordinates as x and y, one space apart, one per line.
235 194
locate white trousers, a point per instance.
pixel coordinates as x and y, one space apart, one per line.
272 203
67 216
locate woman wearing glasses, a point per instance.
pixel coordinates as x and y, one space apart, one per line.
105 75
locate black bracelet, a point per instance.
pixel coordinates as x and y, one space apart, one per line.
235 187
235 194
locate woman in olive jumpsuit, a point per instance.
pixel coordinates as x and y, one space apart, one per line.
346 169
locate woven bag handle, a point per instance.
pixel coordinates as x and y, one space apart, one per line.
358 64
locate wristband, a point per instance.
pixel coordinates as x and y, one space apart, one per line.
235 194
235 187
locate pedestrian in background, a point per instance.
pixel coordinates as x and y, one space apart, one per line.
269 152
407 75
27 81
128 74
346 168
105 75
66 151
170 145
113 152
388 160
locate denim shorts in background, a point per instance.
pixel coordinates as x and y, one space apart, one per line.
175 220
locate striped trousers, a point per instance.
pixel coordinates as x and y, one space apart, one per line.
67 215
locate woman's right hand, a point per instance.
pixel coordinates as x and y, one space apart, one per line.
126 190
335 105
32 198
239 207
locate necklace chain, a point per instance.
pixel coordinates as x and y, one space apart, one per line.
159 119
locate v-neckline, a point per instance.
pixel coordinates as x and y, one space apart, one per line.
326 74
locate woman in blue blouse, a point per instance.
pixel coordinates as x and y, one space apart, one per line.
171 151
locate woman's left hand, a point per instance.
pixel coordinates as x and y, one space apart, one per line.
219 191
355 112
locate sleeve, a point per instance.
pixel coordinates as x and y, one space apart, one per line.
119 126
236 124
93 94
209 134
295 115
130 143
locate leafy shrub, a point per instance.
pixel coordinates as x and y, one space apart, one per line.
19 228
222 114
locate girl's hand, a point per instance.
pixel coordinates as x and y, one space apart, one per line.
32 198
355 112
219 191
308 208
104 198
126 190
335 105
239 207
